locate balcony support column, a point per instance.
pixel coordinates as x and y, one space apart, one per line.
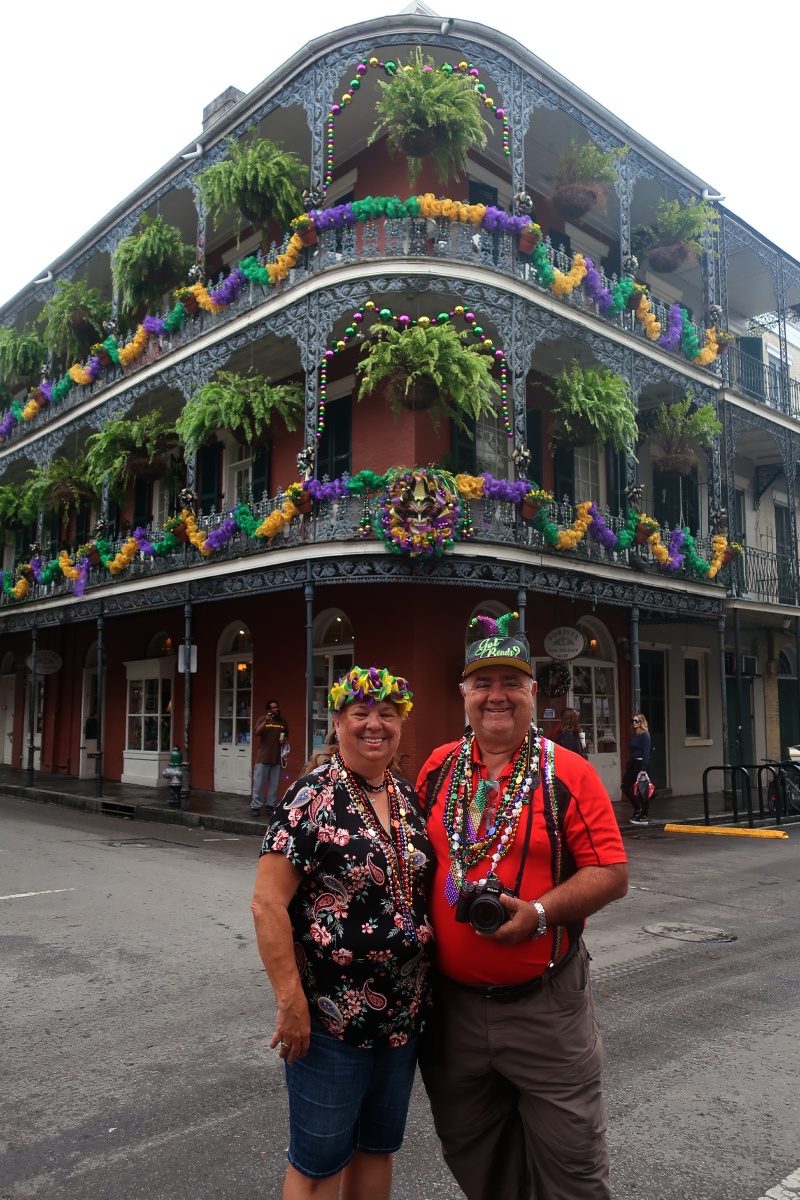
308 593
32 709
737 650
522 600
200 243
797 660
186 651
723 697
98 757
636 681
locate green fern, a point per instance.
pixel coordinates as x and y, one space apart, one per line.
420 107
149 262
258 180
247 405
123 450
434 354
592 407
680 424
17 507
676 225
73 318
586 164
60 486
22 355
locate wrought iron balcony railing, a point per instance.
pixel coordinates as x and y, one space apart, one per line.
762 382
765 576
494 523
386 240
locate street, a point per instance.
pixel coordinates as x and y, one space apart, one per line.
136 1018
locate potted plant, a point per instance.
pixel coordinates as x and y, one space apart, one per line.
430 367
73 318
22 355
533 502
674 240
429 112
61 486
678 427
592 406
148 263
126 450
17 507
581 173
305 229
258 180
247 405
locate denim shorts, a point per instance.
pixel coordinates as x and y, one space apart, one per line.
343 1099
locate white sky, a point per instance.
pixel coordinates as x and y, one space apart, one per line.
98 96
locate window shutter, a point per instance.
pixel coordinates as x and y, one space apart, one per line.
260 474
565 473
209 469
533 438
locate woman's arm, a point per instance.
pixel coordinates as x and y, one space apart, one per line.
276 883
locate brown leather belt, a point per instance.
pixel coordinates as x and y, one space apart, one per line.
508 992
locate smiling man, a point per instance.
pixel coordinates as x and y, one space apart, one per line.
527 847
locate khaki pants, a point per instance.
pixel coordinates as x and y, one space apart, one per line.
516 1093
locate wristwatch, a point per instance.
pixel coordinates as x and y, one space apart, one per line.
542 926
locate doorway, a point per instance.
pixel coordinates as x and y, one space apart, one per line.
8 685
234 752
38 714
740 741
653 684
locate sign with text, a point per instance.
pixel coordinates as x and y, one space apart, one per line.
564 643
187 654
47 662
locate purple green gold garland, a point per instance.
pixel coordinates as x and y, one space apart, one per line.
432 533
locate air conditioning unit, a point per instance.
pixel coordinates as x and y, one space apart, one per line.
749 664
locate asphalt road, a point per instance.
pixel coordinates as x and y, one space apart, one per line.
135 1019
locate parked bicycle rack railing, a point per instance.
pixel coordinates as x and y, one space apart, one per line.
746 791
744 770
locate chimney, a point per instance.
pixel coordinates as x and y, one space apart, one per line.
217 108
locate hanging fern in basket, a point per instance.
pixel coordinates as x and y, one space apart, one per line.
258 180
149 262
247 405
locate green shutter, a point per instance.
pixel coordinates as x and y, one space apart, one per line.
564 458
260 477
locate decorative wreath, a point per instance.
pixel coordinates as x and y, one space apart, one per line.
554 678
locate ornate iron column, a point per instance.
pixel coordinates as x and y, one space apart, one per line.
98 758
723 693
308 593
636 684
32 709
186 650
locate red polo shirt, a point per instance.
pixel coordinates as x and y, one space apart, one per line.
590 835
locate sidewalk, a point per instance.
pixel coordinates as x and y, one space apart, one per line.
228 813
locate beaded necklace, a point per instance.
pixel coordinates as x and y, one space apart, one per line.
398 849
461 820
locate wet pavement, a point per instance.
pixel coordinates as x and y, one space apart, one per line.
230 813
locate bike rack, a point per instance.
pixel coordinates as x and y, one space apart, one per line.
746 791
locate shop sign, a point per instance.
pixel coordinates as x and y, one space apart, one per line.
47 662
564 643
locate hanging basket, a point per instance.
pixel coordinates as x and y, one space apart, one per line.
679 463
418 142
421 395
671 258
643 533
575 200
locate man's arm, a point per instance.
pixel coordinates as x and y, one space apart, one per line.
584 893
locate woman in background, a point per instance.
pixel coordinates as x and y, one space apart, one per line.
568 733
638 761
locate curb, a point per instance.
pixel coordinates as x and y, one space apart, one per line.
724 831
141 812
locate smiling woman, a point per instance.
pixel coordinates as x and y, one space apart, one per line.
342 929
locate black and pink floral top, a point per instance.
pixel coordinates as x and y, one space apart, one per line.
363 963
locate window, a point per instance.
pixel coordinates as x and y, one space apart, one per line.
587 474
209 472
237 489
694 691
333 657
142 503
161 503
149 715
335 445
492 447
676 499
260 473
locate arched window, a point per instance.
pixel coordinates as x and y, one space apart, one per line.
787 663
160 646
234 709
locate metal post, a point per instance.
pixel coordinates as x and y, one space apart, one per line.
522 600
98 758
186 650
636 691
32 709
723 701
797 669
308 592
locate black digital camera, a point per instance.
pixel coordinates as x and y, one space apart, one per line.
479 904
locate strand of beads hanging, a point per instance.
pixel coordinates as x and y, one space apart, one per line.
390 68
498 838
369 315
397 845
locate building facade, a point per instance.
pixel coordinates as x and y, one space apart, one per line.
370 533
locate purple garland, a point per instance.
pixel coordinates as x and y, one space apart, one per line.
675 561
672 337
504 489
218 537
333 218
600 530
332 490
503 222
229 289
601 296
79 584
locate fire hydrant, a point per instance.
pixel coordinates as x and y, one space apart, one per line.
174 774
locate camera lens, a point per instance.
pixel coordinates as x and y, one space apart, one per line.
487 914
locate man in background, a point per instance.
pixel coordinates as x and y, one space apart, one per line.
270 735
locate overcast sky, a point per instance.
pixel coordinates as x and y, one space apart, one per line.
98 96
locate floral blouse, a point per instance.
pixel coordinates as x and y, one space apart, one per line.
363 961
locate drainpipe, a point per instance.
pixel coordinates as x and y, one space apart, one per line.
636 681
308 592
32 709
186 650
98 758
522 600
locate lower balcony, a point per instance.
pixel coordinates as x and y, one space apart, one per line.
420 525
